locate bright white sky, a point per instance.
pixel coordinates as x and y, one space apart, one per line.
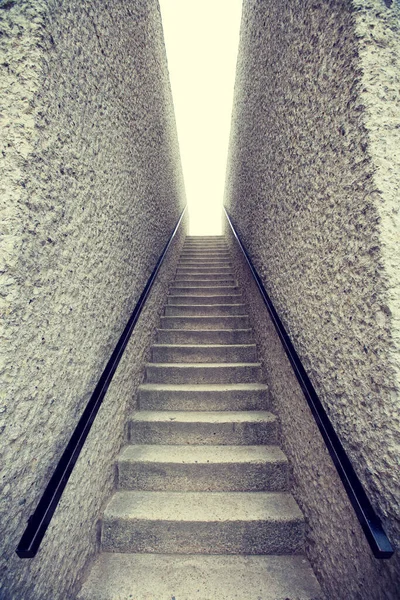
201 38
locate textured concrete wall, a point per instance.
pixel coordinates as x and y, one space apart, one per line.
312 183
91 188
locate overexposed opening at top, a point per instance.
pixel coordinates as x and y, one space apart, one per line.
202 38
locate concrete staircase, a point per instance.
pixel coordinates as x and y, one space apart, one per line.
203 508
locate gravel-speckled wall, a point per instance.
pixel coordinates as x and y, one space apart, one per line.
313 182
90 190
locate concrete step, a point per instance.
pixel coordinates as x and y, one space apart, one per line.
210 238
186 336
206 397
204 240
216 310
220 270
218 278
177 299
211 282
206 274
204 263
205 243
203 522
209 322
206 255
194 248
204 353
203 289
203 373
220 246
205 248
203 468
244 428
116 576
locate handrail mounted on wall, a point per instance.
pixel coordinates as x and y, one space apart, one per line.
369 520
39 521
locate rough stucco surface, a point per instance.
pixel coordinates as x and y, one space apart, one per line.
313 185
91 189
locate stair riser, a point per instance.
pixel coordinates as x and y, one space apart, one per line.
204 264
203 400
254 537
222 249
219 247
210 434
222 299
204 277
205 244
204 337
213 310
204 290
204 374
215 283
174 477
196 354
204 322
218 250
195 269
205 256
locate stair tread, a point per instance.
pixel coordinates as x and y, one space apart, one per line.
192 416
191 304
203 506
199 331
203 365
205 387
205 296
205 317
117 576
203 346
184 454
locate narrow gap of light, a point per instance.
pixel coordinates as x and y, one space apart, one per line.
201 39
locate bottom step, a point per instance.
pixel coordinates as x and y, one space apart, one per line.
177 577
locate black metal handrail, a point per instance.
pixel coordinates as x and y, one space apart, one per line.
39 521
369 520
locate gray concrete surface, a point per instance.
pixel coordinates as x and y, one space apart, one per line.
312 179
144 576
203 523
91 188
194 427
206 482
215 397
203 468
